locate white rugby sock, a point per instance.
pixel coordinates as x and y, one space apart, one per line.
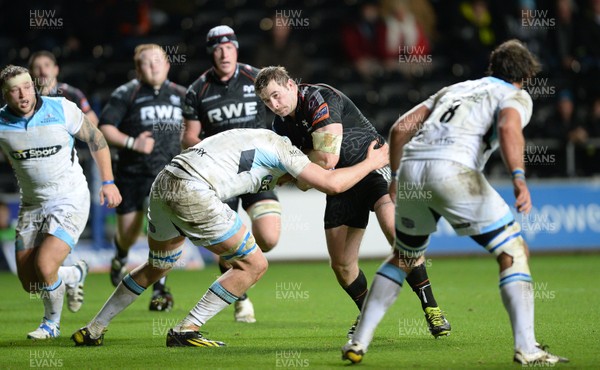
517 297
214 301
53 297
70 275
125 294
381 296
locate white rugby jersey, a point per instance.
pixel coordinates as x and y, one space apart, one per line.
240 161
462 125
40 149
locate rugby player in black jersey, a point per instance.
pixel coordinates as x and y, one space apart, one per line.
223 98
44 70
325 124
143 119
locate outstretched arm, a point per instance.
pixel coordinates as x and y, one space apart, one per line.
101 154
339 180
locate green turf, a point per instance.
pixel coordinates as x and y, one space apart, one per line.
303 317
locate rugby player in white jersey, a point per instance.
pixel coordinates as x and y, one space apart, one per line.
37 136
441 147
186 200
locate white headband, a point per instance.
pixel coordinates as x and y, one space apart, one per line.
16 80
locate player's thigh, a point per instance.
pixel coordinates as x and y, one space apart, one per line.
415 212
468 202
67 217
25 261
189 208
50 256
264 210
129 225
385 211
343 244
134 190
29 235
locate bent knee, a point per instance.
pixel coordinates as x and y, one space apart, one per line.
45 270
267 243
260 266
343 270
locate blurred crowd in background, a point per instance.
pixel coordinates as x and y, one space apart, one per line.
385 55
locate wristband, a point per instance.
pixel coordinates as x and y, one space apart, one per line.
394 174
108 182
129 143
518 173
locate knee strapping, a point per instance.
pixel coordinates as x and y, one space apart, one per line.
164 260
411 251
244 247
265 208
509 241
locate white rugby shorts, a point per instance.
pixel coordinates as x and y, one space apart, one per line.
460 194
64 218
189 208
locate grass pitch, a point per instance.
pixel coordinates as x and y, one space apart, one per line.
303 316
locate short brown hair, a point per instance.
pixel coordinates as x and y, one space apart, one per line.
511 61
278 74
41 53
143 47
9 72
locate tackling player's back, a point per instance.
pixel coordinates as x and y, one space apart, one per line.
253 161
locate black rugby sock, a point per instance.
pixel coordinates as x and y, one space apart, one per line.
121 254
358 289
419 282
159 286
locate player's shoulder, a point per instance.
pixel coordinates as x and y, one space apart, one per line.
313 97
54 102
176 88
200 84
51 107
504 90
248 71
203 79
126 90
319 91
